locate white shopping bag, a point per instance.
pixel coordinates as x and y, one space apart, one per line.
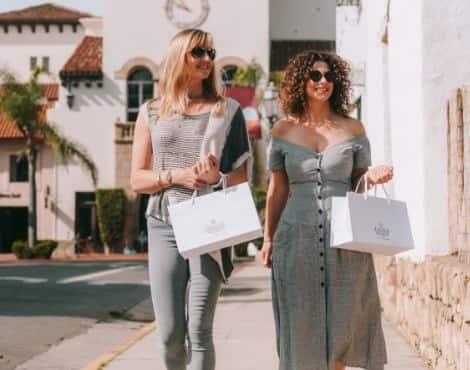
365 223
215 221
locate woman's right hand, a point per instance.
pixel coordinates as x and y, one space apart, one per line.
266 253
188 177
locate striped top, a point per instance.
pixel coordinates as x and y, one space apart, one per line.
176 143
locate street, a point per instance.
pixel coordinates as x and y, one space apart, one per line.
43 304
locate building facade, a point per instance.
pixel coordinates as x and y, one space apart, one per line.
105 67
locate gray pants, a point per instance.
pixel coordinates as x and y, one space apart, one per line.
182 312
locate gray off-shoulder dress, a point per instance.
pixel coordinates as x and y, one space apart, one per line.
326 302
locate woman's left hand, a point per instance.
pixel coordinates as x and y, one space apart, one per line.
380 174
208 169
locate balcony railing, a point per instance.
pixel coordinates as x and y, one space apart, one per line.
124 132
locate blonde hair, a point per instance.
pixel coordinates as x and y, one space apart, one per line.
173 86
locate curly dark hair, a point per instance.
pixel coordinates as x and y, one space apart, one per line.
292 95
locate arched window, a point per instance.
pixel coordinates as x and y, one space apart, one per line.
228 73
139 90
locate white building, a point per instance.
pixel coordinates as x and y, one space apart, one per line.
410 57
106 67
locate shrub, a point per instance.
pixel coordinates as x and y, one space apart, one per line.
110 211
248 76
44 248
21 250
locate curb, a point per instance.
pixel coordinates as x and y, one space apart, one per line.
105 359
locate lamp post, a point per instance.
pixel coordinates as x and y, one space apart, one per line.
270 103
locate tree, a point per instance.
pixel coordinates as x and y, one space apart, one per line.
23 104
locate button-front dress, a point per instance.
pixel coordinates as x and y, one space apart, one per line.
326 302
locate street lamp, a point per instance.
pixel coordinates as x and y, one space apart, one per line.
270 103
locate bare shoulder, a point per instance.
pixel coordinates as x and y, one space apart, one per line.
281 128
355 126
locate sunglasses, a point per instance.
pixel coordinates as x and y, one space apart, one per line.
199 52
316 76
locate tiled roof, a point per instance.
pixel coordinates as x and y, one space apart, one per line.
44 13
8 129
51 91
86 61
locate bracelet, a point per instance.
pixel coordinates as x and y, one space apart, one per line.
159 178
223 178
169 178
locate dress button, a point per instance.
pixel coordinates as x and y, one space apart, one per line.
319 197
322 284
320 226
320 211
322 268
320 240
321 254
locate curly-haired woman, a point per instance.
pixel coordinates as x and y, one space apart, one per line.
326 303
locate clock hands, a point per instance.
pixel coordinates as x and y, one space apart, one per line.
182 5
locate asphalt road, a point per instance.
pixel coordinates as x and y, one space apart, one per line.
42 304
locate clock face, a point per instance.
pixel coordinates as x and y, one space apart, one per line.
187 13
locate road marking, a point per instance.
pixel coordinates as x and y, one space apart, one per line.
24 279
107 282
95 275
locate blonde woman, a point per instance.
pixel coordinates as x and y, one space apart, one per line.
187 139
326 303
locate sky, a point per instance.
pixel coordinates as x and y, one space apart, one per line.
95 7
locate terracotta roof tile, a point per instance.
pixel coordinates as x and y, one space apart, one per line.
44 13
8 129
51 91
86 59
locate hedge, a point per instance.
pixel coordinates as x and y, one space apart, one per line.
42 249
110 205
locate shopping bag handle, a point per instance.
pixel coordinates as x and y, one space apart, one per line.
366 192
223 181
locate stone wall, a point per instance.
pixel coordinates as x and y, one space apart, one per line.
429 303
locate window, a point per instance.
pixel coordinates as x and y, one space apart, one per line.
139 90
228 73
282 51
45 63
33 63
18 169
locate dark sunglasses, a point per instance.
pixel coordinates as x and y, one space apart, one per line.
199 52
316 76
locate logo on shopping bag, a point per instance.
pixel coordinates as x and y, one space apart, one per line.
214 227
381 231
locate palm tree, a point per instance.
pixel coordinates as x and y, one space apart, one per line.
22 103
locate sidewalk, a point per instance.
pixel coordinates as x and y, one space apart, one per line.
244 332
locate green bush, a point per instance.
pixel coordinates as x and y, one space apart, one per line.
21 250
248 76
259 196
110 205
44 248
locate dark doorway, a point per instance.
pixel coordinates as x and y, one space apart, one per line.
86 222
13 226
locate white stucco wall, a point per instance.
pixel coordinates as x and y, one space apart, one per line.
240 29
90 123
302 20
17 48
446 57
